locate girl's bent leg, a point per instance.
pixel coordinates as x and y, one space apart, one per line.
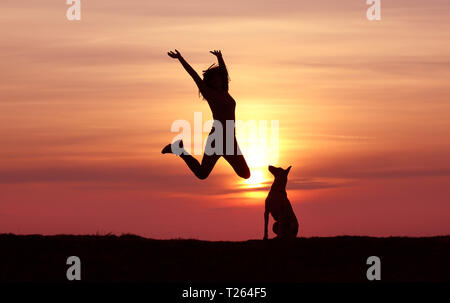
239 165
203 170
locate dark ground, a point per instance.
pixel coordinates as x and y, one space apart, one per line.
135 259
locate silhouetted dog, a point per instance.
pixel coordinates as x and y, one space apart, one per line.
277 204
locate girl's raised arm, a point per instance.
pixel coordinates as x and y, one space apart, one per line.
200 84
222 66
219 56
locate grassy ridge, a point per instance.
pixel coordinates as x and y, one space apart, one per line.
131 258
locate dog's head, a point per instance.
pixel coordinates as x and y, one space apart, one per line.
279 173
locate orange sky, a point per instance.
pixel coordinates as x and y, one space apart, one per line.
86 106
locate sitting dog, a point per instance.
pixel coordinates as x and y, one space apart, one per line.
277 204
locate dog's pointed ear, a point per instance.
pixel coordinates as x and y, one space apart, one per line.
288 169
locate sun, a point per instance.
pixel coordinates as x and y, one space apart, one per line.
259 144
258 159
256 179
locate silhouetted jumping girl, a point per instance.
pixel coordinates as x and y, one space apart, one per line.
214 88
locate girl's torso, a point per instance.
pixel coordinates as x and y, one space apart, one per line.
222 105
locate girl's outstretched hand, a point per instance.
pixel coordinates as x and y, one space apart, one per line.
174 54
216 53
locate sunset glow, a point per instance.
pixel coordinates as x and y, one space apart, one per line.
362 107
